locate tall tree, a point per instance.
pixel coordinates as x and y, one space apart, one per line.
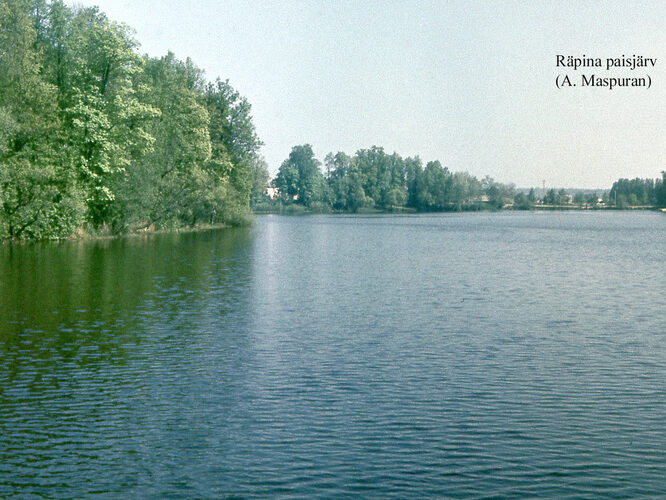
260 178
235 146
38 197
104 117
299 176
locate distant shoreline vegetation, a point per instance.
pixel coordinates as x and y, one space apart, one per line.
96 139
375 181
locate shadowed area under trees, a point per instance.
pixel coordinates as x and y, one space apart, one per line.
95 138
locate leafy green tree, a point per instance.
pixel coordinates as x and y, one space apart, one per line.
338 170
661 191
633 200
38 195
288 181
550 198
413 174
463 190
235 147
498 194
522 202
299 176
163 184
104 118
357 199
433 187
260 178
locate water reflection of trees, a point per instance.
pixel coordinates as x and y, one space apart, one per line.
86 302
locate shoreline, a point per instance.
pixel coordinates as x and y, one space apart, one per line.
82 235
538 208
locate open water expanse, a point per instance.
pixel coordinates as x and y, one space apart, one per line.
453 355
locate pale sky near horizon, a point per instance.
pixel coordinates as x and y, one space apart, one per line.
469 83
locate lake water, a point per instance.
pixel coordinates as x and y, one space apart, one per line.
463 355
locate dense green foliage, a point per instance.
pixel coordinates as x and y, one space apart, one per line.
95 137
637 192
375 180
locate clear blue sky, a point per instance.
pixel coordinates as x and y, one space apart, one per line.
471 83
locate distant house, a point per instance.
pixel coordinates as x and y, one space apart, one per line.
272 192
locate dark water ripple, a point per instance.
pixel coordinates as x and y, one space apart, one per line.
475 356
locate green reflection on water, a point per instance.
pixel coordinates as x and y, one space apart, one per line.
76 301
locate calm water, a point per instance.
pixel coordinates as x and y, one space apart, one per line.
468 355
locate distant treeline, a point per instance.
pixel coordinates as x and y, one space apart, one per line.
375 180
96 138
639 192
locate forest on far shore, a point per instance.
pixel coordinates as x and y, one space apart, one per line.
373 180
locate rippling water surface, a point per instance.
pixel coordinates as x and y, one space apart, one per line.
464 355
